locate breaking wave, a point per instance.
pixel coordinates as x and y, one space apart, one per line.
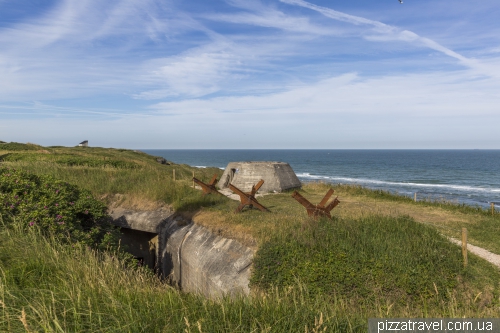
381 183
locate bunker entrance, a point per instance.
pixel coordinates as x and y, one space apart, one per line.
142 245
229 177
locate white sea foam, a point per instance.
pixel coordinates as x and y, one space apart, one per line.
204 167
398 184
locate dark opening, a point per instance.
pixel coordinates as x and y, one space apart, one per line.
140 261
142 245
229 177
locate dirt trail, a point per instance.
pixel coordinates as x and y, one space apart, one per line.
480 252
449 223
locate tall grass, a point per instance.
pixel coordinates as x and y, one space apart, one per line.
309 275
74 289
357 190
136 177
375 257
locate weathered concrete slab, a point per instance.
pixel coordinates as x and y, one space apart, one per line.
149 221
278 176
199 261
189 255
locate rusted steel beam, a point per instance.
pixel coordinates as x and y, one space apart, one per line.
248 199
316 211
208 188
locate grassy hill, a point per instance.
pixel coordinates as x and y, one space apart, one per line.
380 256
122 177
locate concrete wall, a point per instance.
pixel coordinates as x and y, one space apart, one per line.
143 220
189 255
198 261
278 176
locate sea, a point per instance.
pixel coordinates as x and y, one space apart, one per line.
460 176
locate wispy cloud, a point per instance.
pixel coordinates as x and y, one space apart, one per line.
386 32
255 13
425 95
194 73
280 65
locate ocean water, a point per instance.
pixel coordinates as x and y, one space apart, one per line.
462 176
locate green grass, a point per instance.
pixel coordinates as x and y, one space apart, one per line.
15 146
357 190
75 289
360 264
136 177
376 257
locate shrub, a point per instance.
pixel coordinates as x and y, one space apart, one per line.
17 146
56 207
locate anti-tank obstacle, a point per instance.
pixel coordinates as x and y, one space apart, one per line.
248 199
208 188
319 210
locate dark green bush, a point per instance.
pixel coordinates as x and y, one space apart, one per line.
56 207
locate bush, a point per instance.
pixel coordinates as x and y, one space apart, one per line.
56 207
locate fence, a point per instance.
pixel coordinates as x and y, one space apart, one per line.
460 234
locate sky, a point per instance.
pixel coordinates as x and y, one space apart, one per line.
292 74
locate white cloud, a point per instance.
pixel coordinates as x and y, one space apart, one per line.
386 32
272 18
196 73
425 95
282 67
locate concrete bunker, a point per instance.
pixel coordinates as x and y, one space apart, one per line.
139 233
278 176
186 254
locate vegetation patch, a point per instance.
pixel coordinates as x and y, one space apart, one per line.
15 146
358 190
71 160
137 178
56 207
368 261
60 288
371 258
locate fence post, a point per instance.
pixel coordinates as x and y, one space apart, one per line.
415 197
492 209
464 245
173 172
193 178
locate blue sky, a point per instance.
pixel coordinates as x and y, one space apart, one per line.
251 74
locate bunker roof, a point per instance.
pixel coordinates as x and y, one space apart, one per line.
278 176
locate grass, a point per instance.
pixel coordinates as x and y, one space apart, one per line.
74 289
118 176
253 226
379 261
375 257
64 289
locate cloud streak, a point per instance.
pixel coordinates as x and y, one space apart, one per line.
285 66
389 32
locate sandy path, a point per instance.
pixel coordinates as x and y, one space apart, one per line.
480 252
